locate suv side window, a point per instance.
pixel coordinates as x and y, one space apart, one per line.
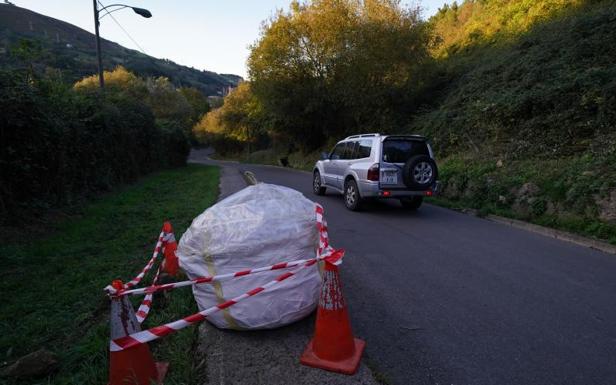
338 151
364 148
351 150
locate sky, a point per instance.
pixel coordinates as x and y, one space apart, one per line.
206 34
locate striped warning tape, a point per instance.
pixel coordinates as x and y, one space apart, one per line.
330 255
322 227
152 334
135 281
324 252
146 304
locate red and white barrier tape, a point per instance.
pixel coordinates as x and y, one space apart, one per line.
152 334
322 227
324 252
135 281
146 304
330 255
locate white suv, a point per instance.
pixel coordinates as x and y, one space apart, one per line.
371 166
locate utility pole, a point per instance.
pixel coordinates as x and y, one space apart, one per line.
139 11
101 79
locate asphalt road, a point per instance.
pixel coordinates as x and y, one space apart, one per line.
447 298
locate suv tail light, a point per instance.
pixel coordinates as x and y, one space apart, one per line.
373 172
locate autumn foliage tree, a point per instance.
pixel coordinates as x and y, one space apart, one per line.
330 67
239 124
173 108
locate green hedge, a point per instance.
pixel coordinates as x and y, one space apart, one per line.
59 144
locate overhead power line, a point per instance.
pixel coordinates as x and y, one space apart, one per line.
123 29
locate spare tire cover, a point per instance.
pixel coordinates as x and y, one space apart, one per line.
419 172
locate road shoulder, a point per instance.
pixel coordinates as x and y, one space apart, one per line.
557 234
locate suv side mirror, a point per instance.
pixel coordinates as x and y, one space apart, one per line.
324 156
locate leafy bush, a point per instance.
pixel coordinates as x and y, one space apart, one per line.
565 192
59 144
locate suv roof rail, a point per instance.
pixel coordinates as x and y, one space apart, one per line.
362 136
416 136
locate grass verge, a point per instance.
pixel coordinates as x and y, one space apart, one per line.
571 194
52 285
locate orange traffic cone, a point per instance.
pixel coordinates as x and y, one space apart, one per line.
170 263
333 347
133 365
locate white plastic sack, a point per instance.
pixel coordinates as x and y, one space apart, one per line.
258 226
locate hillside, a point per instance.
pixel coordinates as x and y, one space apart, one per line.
523 115
73 50
548 92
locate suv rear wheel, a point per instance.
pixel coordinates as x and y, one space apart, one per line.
317 187
352 200
411 203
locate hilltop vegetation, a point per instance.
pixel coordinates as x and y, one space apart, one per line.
518 97
474 23
526 118
549 92
72 51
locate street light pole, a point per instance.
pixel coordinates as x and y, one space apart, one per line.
139 11
101 79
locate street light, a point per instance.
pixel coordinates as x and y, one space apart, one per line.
139 11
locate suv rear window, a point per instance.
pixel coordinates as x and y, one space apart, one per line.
400 150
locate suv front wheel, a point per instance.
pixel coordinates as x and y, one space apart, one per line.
352 200
317 187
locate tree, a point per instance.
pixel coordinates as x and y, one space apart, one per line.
198 102
120 80
239 122
330 67
168 104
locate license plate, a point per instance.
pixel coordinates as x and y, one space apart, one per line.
389 177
